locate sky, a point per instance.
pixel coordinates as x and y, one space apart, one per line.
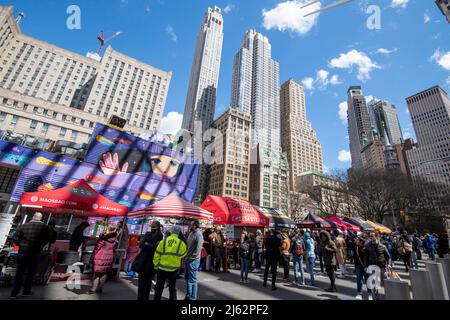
403 50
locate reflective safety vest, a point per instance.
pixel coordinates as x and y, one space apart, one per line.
169 253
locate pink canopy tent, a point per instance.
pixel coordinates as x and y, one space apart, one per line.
343 225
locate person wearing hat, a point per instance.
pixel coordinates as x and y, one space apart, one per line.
167 261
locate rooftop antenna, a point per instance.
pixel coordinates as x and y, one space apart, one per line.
103 41
20 17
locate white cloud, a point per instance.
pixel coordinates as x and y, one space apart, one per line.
426 18
441 58
228 8
371 98
399 3
171 32
290 16
344 156
358 59
171 123
386 52
343 107
308 83
322 80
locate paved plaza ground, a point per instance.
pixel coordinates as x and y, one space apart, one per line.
214 286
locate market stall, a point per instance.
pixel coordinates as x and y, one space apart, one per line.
364 226
314 222
77 199
343 225
277 220
236 213
379 227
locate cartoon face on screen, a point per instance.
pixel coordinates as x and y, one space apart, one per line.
125 161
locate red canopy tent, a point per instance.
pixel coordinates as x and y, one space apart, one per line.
174 207
234 212
343 225
314 222
78 198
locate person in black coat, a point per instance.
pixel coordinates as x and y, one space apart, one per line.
273 254
78 238
143 264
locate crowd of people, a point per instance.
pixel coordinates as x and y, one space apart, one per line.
166 254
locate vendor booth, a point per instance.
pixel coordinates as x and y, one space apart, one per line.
360 223
343 225
77 199
314 222
172 210
379 227
277 220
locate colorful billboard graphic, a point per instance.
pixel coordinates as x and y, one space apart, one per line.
148 171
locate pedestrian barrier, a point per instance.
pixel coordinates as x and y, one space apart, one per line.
396 290
437 278
421 284
445 262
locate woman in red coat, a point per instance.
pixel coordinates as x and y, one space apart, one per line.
103 258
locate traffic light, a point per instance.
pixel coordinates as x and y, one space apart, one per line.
402 213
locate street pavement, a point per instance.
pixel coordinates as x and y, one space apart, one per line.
214 286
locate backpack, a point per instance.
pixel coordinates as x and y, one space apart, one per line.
244 250
298 247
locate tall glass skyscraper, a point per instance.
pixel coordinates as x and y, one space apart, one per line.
256 89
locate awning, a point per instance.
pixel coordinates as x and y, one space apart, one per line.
174 207
343 225
360 223
277 219
379 227
314 222
78 198
234 212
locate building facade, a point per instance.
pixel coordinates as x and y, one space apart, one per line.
230 176
256 89
269 179
298 139
430 160
202 92
359 126
57 94
384 118
444 6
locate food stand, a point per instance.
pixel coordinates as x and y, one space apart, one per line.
277 220
77 199
379 227
343 225
360 223
313 222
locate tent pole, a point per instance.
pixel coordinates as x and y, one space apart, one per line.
49 217
70 222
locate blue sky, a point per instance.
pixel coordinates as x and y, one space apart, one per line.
328 53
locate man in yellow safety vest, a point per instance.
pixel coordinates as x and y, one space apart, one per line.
167 261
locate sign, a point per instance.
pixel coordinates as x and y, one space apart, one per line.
117 122
229 231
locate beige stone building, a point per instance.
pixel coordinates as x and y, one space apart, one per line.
230 176
373 155
50 92
298 139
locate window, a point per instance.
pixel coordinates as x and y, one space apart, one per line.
33 124
2 116
14 119
74 135
44 128
62 133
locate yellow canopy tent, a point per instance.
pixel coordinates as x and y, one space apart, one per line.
379 227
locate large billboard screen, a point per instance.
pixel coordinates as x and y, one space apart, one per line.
126 169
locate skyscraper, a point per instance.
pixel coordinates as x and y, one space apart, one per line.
52 93
430 114
359 127
384 118
256 89
202 92
298 138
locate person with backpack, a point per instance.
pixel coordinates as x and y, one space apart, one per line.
329 256
310 256
297 250
258 250
376 254
404 249
361 274
245 252
431 247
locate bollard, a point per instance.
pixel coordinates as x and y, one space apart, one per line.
396 290
421 284
445 262
437 278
